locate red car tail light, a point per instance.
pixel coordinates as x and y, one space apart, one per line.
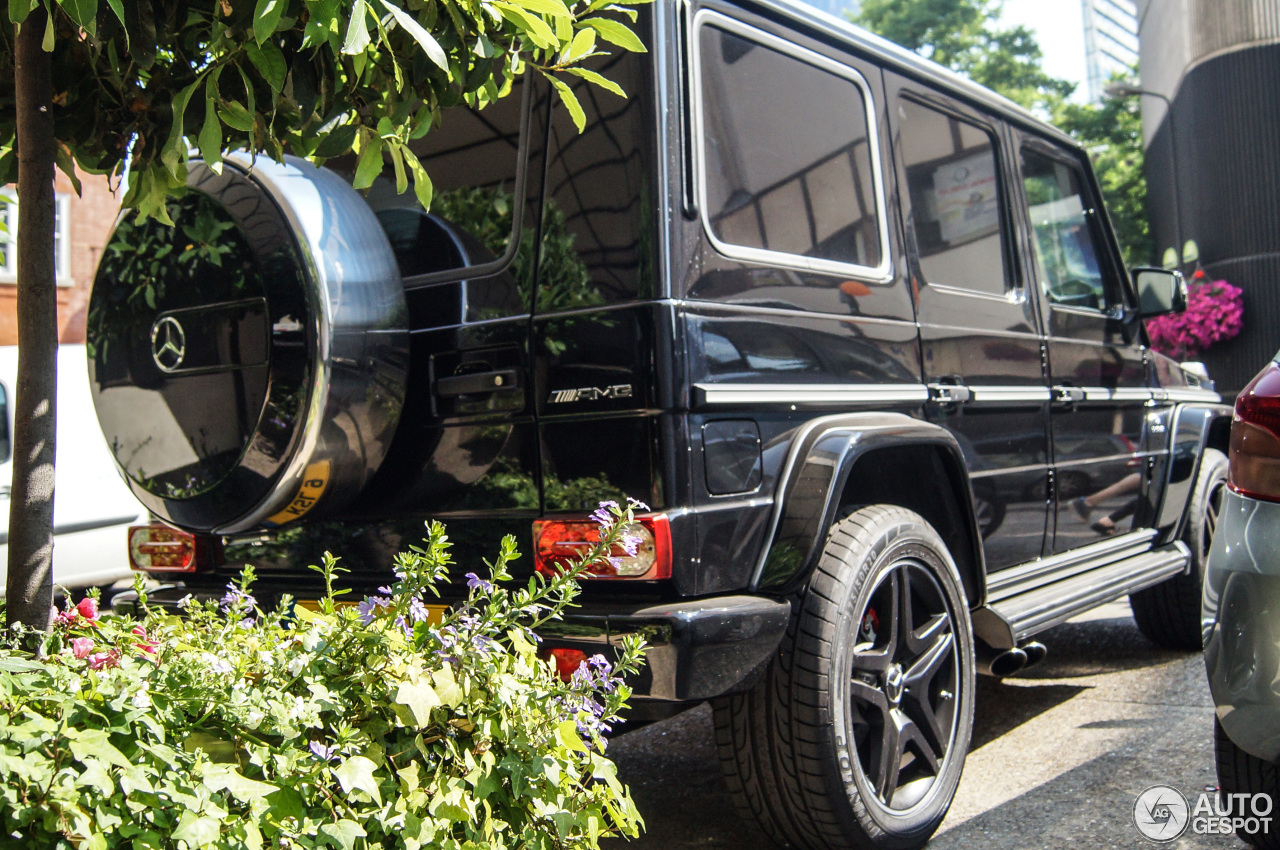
567 661
558 541
1255 438
159 548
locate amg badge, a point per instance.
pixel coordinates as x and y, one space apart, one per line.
589 394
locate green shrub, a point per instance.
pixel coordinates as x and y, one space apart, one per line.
349 727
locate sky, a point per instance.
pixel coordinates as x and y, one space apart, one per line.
1059 28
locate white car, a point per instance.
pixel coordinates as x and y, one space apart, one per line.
92 507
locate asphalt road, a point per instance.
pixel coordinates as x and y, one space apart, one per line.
1059 754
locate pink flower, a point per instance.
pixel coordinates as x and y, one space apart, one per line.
81 647
145 645
1215 313
88 608
103 660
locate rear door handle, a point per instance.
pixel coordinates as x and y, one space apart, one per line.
478 383
949 393
1068 395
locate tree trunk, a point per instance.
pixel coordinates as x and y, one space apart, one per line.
30 582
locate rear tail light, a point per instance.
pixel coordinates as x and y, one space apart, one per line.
559 541
1255 438
567 661
159 548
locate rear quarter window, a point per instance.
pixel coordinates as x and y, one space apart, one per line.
788 159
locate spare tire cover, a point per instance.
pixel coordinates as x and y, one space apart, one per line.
248 366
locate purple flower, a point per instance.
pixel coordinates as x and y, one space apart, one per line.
481 644
636 504
474 581
630 543
322 752
604 514
368 609
236 598
385 590
600 663
417 611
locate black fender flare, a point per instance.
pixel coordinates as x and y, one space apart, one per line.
1192 429
813 479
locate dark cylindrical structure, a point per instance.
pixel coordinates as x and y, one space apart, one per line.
1219 63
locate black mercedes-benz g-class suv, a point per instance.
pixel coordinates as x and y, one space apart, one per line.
856 329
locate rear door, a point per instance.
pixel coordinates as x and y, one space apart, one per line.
466 441
1096 360
979 330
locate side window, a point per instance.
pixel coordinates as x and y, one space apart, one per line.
788 161
597 243
955 199
1066 248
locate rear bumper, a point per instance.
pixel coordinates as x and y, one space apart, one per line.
697 649
1240 618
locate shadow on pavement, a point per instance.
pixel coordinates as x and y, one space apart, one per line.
674 774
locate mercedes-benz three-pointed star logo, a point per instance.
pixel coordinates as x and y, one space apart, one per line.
168 343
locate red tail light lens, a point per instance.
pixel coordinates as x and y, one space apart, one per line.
559 541
567 661
1255 438
159 548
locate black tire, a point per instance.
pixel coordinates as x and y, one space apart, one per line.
1240 772
1169 613
802 751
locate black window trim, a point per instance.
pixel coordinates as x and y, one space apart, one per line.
499 265
882 273
1015 293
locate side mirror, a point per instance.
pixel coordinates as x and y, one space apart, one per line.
1160 291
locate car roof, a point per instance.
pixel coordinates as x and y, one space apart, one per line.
831 28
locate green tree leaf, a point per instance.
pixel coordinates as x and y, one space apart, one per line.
593 77
19 9
571 103
428 43
270 63
174 147
83 12
357 37
369 166
615 32
266 18
211 133
555 8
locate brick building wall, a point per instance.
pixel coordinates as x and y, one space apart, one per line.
90 217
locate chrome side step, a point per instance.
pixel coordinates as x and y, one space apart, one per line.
1018 607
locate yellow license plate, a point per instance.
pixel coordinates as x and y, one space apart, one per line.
435 613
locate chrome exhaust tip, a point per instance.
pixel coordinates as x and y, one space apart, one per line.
1035 651
999 662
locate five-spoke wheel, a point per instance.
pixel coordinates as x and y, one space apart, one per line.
905 672
857 733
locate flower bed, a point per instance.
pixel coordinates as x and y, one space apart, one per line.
349 727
